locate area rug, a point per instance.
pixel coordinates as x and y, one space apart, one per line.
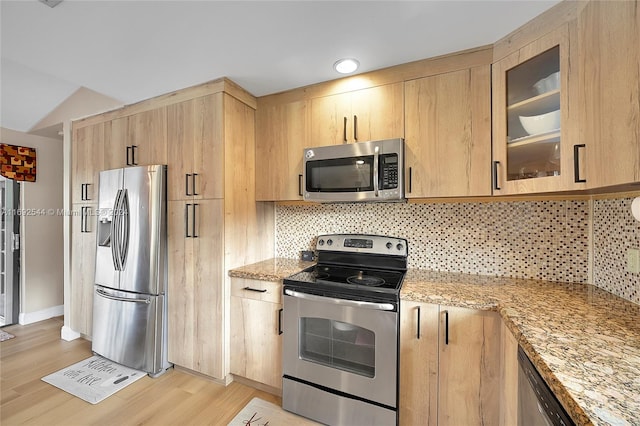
94 379
5 336
262 413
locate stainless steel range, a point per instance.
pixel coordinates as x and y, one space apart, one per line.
340 347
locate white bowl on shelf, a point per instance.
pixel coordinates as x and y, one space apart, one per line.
547 84
542 123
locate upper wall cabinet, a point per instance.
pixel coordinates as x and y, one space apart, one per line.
137 140
282 134
195 153
87 162
448 134
609 66
359 116
535 143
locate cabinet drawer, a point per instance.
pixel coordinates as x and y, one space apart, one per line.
268 291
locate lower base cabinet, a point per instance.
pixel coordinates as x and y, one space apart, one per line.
449 365
256 344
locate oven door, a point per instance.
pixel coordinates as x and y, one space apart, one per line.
347 346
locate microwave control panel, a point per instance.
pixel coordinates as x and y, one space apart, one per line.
388 171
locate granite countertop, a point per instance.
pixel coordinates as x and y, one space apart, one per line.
583 340
270 270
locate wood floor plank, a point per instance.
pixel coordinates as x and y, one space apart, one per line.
175 398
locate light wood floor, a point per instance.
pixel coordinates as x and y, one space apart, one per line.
175 398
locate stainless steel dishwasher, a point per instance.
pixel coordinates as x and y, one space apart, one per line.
537 405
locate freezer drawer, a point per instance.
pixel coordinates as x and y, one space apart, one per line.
130 328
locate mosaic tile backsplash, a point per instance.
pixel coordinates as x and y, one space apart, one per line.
614 232
543 239
546 240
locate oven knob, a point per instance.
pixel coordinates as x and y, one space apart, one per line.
400 246
389 245
329 241
320 242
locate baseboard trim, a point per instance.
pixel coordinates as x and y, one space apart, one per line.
37 316
66 333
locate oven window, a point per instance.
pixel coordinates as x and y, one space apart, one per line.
340 175
339 345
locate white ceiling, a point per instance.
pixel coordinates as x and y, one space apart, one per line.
134 50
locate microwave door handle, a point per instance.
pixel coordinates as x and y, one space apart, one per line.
343 302
376 158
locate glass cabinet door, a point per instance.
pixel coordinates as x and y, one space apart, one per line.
533 124
533 117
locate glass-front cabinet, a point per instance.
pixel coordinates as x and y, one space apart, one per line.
534 148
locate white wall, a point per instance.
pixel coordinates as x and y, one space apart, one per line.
42 288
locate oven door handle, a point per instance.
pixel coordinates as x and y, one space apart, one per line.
344 302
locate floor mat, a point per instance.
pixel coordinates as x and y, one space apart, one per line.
5 336
94 379
259 412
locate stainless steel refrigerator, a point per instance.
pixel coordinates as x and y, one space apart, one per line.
130 297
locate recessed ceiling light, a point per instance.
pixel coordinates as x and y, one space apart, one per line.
346 66
51 3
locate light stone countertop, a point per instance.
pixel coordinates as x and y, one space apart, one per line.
271 269
583 340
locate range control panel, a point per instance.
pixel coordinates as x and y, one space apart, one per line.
357 243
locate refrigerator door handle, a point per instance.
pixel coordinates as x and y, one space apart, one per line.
106 295
114 233
124 243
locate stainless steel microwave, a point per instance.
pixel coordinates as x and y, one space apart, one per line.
362 171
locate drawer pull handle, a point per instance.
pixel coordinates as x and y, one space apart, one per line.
255 289
279 321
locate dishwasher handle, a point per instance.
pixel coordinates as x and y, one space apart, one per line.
344 302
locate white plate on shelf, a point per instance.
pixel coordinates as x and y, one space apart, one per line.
524 138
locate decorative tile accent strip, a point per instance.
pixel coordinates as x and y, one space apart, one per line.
545 240
614 232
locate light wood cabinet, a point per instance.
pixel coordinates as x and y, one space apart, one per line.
194 155
87 162
196 285
418 402
137 140
362 115
536 147
450 375
448 134
83 250
508 377
256 345
609 60
282 132
469 367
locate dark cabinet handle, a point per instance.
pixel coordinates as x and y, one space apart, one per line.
86 192
193 224
129 149
186 221
133 155
576 163
83 189
418 327
446 327
355 128
257 290
344 130
279 321
495 175
300 185
410 179
193 183
186 184
83 220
